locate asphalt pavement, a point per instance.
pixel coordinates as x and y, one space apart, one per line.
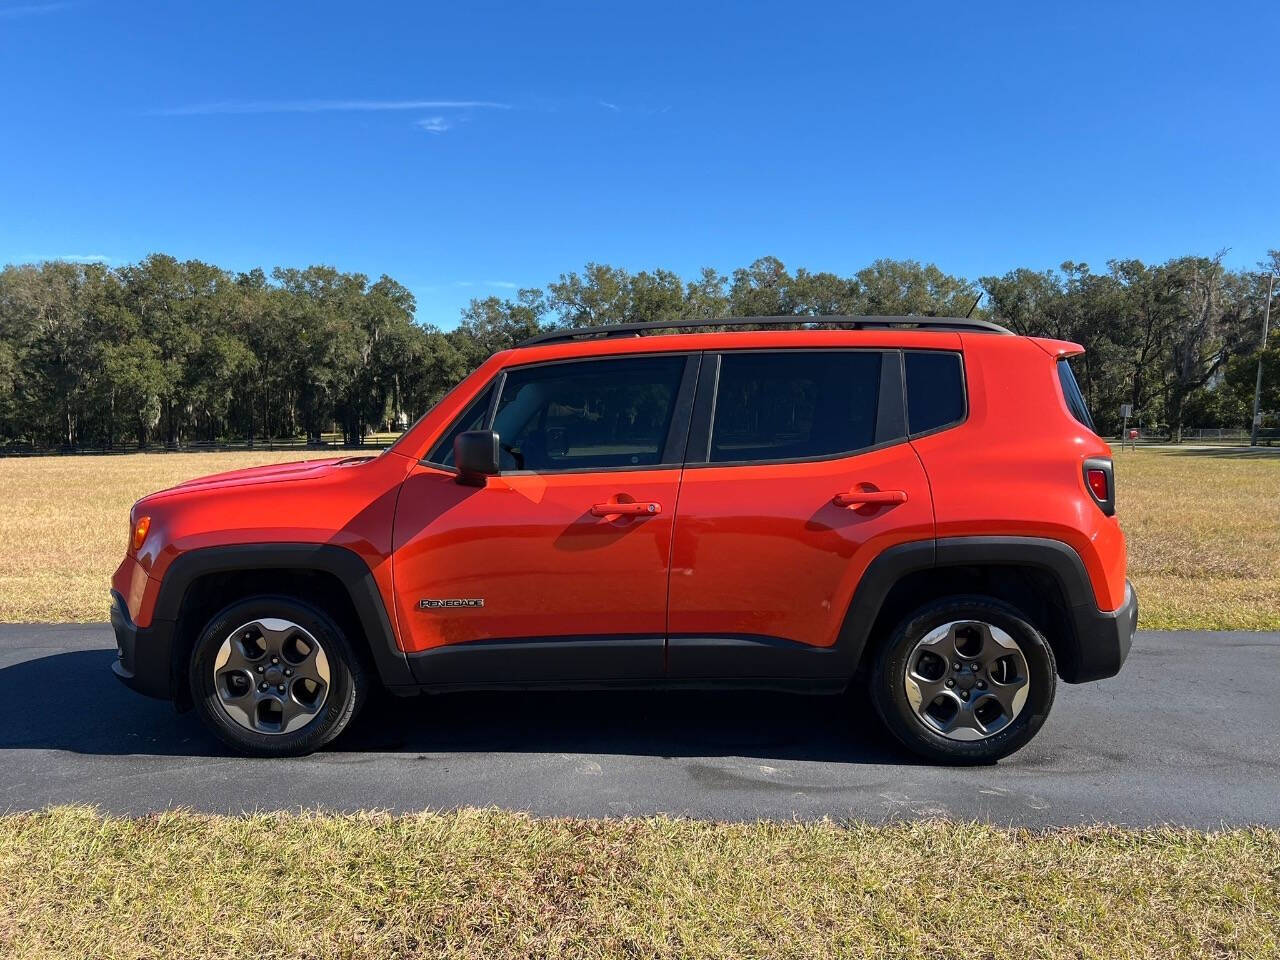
1188 733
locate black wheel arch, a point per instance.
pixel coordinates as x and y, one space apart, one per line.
1045 578
200 582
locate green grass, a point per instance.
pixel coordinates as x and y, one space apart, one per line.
500 885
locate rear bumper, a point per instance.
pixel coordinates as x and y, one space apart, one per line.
1103 639
143 654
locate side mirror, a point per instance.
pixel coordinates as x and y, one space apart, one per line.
475 454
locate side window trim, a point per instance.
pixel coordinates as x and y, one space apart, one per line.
673 450
891 414
698 449
499 382
891 410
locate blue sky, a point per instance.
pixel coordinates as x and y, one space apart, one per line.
470 148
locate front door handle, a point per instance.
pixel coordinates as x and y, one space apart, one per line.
861 498
646 509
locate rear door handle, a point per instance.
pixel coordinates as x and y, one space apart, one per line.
860 498
646 509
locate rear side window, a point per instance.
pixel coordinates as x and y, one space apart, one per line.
1071 393
935 390
588 414
795 404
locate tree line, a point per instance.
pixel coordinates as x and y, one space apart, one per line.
169 352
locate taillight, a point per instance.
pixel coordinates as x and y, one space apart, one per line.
1099 477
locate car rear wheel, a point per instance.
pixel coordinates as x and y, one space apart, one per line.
272 676
964 680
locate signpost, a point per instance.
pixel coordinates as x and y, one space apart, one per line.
1257 387
1126 411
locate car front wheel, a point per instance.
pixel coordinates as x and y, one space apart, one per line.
964 680
273 676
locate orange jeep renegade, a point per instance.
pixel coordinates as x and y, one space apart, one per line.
915 506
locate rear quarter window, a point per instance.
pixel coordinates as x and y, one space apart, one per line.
1072 394
935 390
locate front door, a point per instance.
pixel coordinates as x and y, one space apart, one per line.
556 569
798 474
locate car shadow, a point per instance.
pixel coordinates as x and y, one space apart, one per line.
69 701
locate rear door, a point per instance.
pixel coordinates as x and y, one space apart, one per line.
798 473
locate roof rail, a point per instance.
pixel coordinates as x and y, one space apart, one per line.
853 323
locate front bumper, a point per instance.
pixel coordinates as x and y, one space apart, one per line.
143 654
1103 639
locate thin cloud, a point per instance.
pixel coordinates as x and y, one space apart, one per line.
32 10
434 124
75 258
610 106
323 106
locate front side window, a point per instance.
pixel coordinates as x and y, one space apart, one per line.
588 414
795 404
473 418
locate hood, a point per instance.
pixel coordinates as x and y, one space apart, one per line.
271 473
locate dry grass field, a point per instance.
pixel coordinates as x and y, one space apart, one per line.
499 885
1203 527
65 523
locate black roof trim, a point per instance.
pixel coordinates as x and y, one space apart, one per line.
853 323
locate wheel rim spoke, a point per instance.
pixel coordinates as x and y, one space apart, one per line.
294 711
938 641
963 723
272 676
927 689
967 680
1012 695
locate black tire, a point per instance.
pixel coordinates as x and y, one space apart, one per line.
344 695
888 684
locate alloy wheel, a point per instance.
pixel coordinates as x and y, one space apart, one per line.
967 680
271 676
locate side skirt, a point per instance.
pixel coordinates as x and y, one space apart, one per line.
747 662
801 685
537 660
